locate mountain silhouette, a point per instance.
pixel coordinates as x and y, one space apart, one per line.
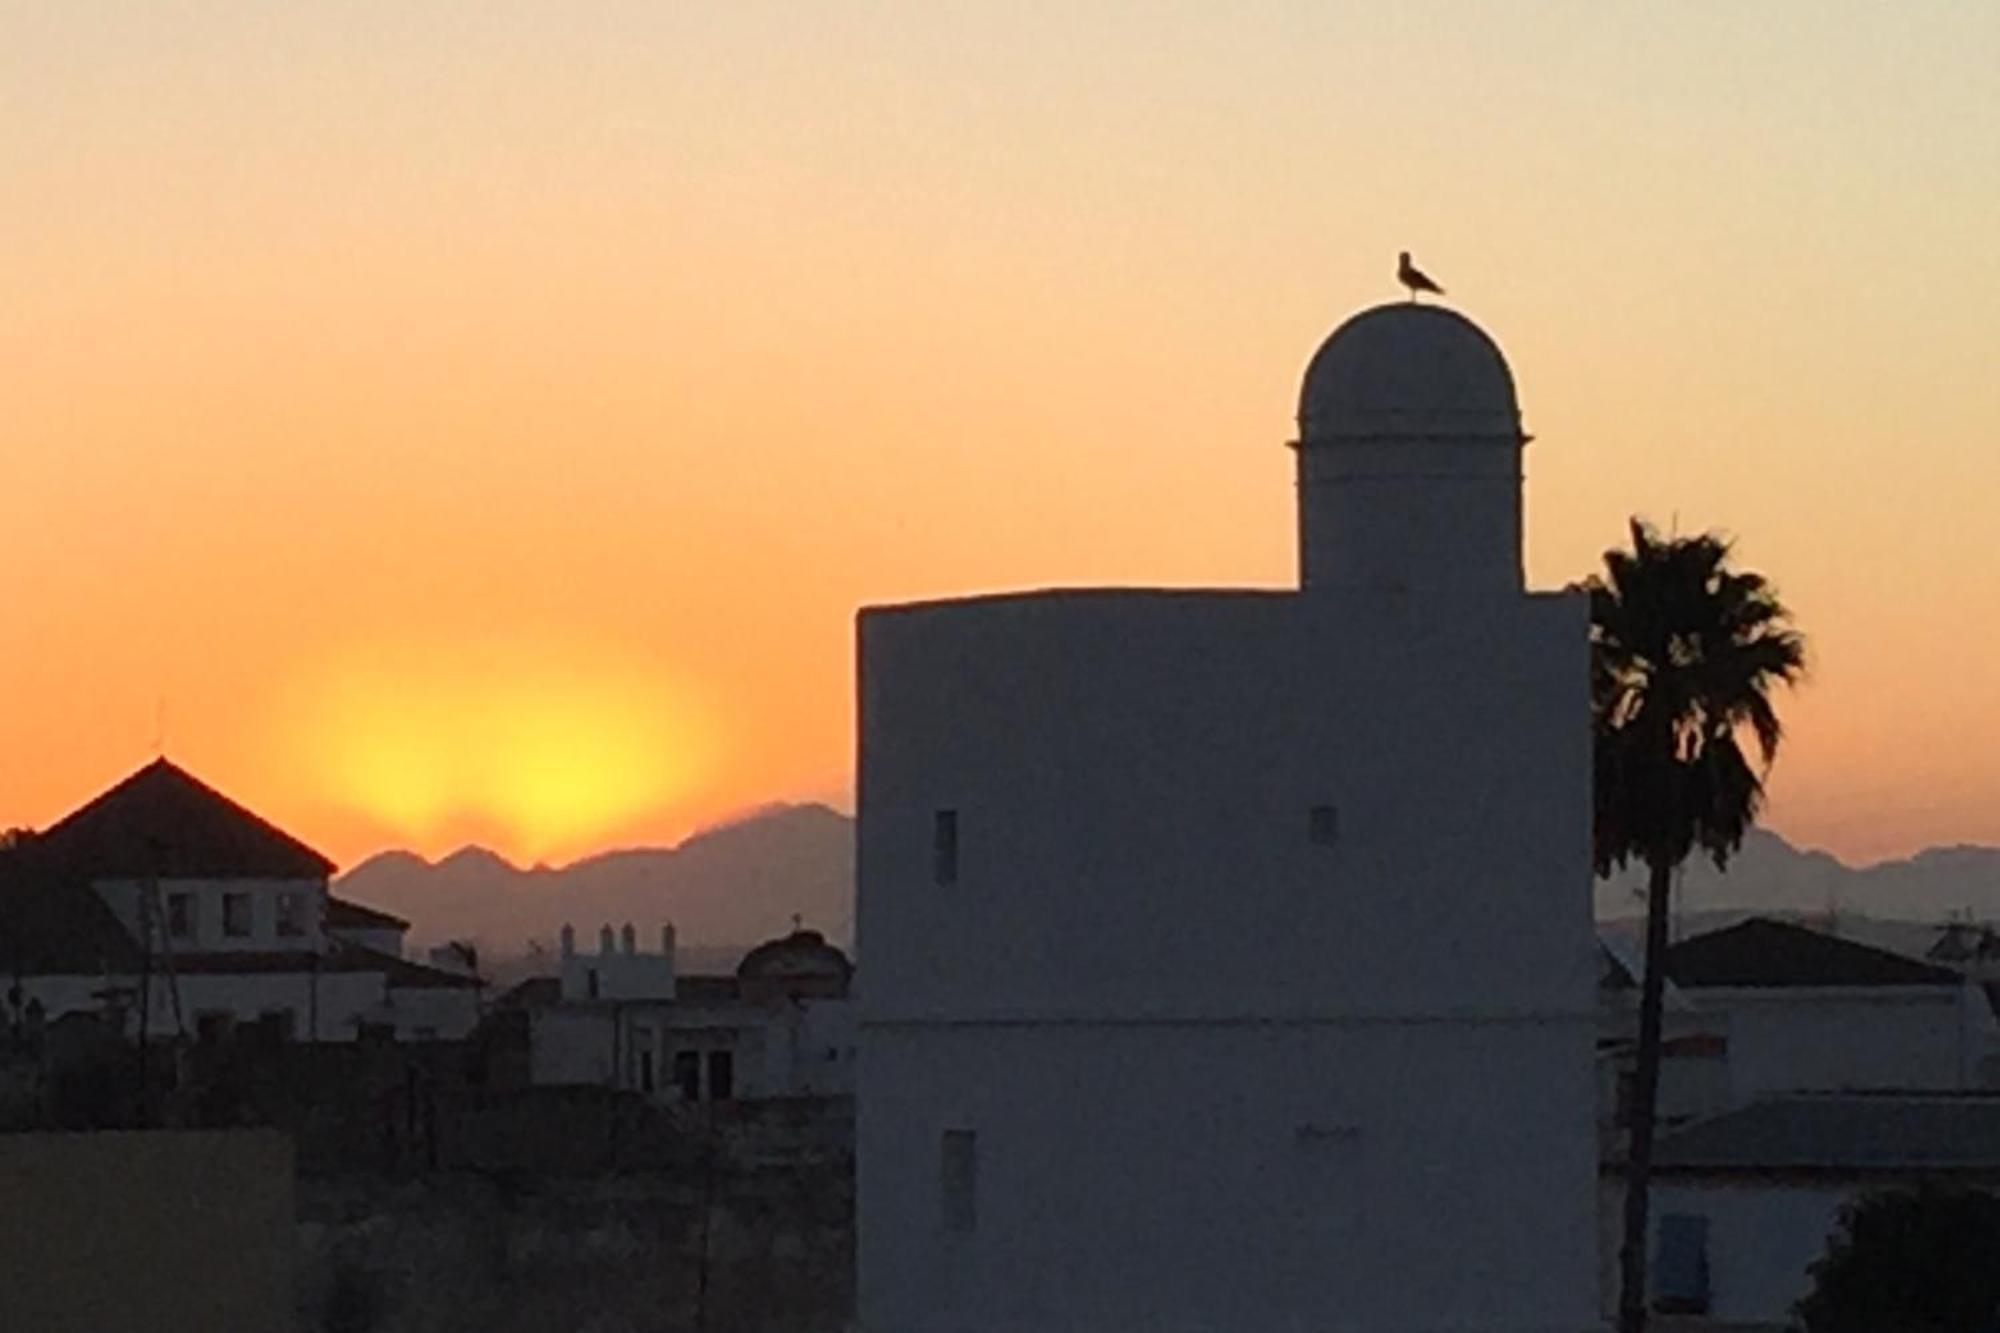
1771 875
723 888
734 885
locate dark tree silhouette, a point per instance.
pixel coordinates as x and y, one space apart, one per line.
1685 653
1909 1259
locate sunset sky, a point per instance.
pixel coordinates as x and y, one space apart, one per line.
451 422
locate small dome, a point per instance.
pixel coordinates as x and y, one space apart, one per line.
1408 369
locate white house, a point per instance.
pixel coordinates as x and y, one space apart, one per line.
1768 1006
1230 957
1743 1202
1799 1069
188 912
781 1026
1807 1011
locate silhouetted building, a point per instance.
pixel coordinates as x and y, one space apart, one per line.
1230 957
205 916
781 1026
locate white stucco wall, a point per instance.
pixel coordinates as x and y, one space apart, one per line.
1404 513
340 999
123 897
1874 1037
619 976
1147 977
822 1049
570 1045
1762 1236
381 939
441 1013
776 1052
61 995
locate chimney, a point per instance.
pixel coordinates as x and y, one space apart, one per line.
629 938
568 940
604 942
667 940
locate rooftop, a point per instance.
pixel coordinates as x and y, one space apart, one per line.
1408 370
1761 952
1841 1133
164 822
345 914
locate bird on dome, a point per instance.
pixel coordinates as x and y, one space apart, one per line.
1413 277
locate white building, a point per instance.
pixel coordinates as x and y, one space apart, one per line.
1799 1069
1745 1201
1769 1007
1230 958
167 900
781 1026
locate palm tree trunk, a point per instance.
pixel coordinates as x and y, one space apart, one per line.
1645 1103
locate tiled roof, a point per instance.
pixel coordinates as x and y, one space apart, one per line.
52 924
1763 952
345 914
162 821
1841 1133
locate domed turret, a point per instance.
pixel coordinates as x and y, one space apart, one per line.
1409 456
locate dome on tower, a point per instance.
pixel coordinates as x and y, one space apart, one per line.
1408 369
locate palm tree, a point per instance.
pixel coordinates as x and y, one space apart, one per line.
1685 654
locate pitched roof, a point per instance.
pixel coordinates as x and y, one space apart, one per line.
1841 1133
346 914
162 821
1763 952
52 924
403 974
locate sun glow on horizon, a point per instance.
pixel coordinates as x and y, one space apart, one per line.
544 755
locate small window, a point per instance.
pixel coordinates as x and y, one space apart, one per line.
721 1076
958 1179
591 985
291 914
944 847
1680 1283
236 915
1323 825
181 919
687 1074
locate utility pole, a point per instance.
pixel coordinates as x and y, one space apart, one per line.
145 999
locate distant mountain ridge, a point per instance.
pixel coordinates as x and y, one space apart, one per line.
1771 875
732 885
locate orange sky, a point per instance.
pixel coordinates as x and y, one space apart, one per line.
482 421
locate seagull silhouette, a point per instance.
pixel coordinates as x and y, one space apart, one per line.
1413 277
